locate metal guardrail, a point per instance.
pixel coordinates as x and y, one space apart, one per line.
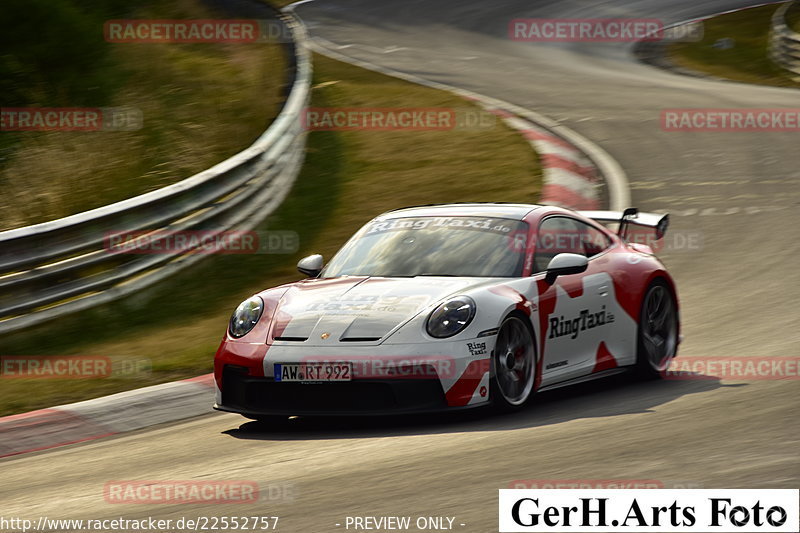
784 43
62 266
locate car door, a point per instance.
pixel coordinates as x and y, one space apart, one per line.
574 306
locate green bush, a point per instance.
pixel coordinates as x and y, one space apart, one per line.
53 54
793 16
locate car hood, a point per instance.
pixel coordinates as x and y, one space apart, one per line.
359 310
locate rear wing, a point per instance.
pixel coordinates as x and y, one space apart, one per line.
631 216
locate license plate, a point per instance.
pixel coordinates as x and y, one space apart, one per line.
310 372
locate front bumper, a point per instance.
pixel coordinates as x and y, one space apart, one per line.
253 396
245 384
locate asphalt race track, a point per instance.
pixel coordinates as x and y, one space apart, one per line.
736 192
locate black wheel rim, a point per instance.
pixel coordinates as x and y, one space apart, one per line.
659 327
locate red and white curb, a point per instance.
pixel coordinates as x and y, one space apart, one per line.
106 416
570 179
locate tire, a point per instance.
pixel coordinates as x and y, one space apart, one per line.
657 337
513 367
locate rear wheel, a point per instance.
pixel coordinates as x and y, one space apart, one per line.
658 331
513 365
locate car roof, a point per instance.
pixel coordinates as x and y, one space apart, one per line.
494 210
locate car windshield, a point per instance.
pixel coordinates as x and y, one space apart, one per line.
433 246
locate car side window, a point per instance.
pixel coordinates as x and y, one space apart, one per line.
594 241
557 235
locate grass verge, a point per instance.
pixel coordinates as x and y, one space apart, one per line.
746 60
348 178
200 104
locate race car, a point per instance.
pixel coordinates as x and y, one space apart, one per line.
456 306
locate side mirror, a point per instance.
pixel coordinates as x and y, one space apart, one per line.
311 266
564 264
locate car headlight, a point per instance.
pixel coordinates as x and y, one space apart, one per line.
451 317
246 316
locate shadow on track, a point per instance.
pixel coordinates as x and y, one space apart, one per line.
614 396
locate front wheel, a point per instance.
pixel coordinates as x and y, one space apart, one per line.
513 365
658 331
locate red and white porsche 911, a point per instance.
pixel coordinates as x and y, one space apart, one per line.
454 306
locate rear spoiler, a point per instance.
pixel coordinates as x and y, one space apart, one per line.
631 216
